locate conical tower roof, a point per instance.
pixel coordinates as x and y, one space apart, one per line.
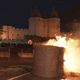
54 13
36 13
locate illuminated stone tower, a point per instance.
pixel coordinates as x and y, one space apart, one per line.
54 24
44 27
36 24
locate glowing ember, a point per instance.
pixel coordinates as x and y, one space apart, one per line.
71 54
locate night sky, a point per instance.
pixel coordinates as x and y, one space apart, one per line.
17 12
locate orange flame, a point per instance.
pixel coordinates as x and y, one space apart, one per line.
71 54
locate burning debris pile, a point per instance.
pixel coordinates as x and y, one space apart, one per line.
71 57
71 53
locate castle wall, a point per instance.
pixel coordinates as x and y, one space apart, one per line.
54 26
13 33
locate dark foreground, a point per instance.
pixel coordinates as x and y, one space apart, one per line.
21 69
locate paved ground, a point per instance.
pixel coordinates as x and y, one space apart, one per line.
30 77
7 73
20 69
23 72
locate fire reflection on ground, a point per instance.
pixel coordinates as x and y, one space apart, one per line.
73 78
